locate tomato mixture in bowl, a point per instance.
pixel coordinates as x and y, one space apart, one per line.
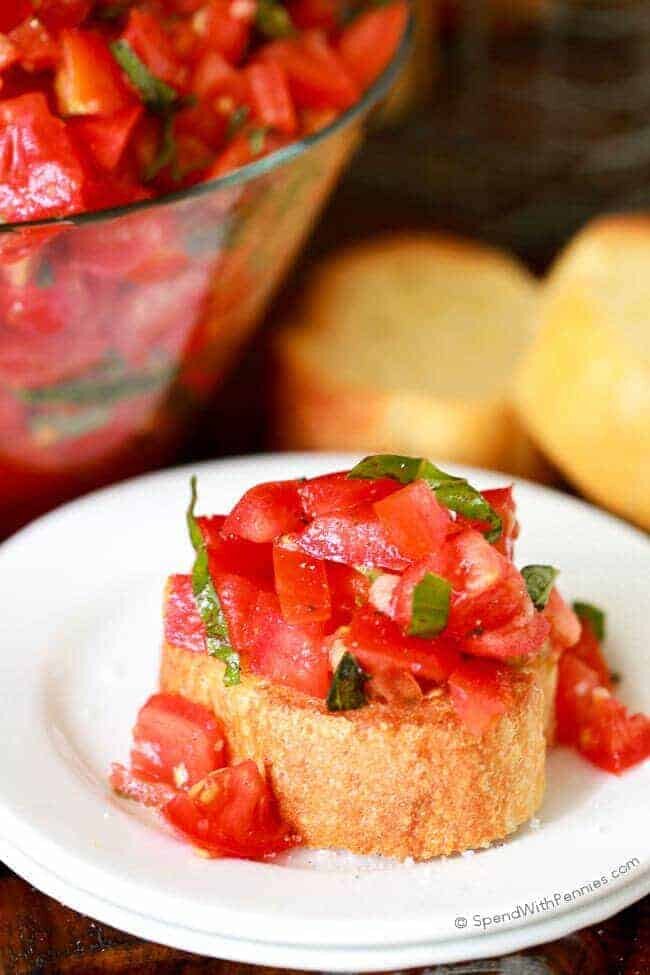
160 166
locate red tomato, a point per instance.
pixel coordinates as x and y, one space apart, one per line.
613 739
322 14
183 624
230 555
575 684
238 598
211 526
35 48
301 584
503 502
480 693
242 150
139 788
565 625
369 43
225 26
40 175
213 75
8 52
522 637
57 14
333 493
354 537
146 36
89 80
286 654
231 814
106 138
348 590
12 12
588 650
270 98
414 520
267 511
378 644
176 741
317 76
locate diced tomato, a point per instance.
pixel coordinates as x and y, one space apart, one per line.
238 598
225 26
146 36
480 694
106 138
414 520
8 52
242 150
588 650
301 584
370 41
89 80
36 48
176 741
348 591
286 654
12 12
565 625
183 624
354 537
502 501
57 14
522 637
317 76
378 643
322 14
333 493
40 175
213 75
266 511
139 788
270 98
232 813
575 684
211 528
613 739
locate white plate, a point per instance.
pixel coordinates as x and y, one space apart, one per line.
80 632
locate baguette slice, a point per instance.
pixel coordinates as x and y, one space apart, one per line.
408 344
400 782
583 388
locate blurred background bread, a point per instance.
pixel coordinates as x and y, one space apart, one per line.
409 344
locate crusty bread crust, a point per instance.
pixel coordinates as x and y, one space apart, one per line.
400 782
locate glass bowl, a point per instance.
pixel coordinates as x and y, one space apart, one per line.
116 327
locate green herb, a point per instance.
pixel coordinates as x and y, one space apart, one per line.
453 492
594 616
430 607
347 691
273 20
236 121
113 11
166 153
615 677
207 600
256 139
106 385
59 425
157 95
539 581
44 277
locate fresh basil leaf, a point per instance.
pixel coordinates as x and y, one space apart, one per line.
156 94
109 383
273 20
347 691
256 140
594 616
430 606
44 277
236 121
539 581
166 153
207 600
453 492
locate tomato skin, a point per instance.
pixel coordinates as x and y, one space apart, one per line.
369 42
613 739
522 637
145 791
146 36
503 502
355 537
270 98
301 584
316 74
480 694
89 81
414 520
173 734
266 511
379 644
334 493
349 591
214 75
221 29
106 138
588 650
565 625
321 14
576 682
233 813
35 47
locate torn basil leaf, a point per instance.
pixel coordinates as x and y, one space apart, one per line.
236 121
539 581
594 616
430 607
453 492
156 94
347 692
273 20
207 600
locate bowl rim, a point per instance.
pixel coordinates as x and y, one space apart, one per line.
249 172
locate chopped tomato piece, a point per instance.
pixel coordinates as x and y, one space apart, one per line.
12 12
480 694
183 624
317 76
36 49
89 80
146 36
270 98
502 501
237 597
286 654
62 13
301 584
565 625
230 554
267 511
176 741
588 650
242 150
354 537
368 44
232 813
378 644
522 637
40 174
322 14
8 52
575 684
225 26
213 75
348 591
106 138
139 788
613 739
333 493
414 520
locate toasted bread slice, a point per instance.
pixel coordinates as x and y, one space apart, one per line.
397 781
408 344
583 388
